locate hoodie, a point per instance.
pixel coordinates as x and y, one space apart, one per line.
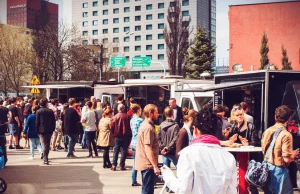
167 135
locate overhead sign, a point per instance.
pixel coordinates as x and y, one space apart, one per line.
35 80
117 61
142 61
35 91
222 69
17 6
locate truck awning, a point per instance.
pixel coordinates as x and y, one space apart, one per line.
57 86
124 85
222 86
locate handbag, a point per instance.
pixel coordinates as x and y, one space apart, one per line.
257 173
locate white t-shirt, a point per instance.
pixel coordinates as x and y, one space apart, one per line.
90 118
175 113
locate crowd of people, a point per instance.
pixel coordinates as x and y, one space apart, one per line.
192 141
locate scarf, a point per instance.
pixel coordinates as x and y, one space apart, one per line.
206 139
190 136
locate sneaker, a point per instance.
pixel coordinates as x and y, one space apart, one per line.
59 148
42 155
11 147
18 147
123 168
113 168
136 184
54 149
46 162
30 158
71 156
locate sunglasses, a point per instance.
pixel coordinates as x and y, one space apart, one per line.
237 108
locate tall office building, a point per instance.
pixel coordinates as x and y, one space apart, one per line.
135 27
32 14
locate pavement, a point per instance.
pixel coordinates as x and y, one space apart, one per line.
81 175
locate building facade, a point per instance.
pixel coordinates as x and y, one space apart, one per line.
135 27
32 14
247 24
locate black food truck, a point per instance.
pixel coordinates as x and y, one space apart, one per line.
264 91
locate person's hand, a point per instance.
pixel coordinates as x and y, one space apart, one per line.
234 137
229 142
156 171
295 153
164 169
163 152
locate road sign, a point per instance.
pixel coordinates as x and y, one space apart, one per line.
117 61
34 80
142 61
35 91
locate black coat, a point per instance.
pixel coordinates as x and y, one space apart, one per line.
179 116
45 121
71 121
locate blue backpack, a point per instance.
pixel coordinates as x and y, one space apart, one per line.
2 159
257 173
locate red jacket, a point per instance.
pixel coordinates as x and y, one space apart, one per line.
121 126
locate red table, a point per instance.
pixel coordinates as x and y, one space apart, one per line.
242 160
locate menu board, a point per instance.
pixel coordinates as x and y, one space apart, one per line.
218 98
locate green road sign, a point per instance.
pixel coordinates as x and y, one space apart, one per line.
117 61
142 61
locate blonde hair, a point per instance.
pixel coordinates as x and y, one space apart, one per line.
149 108
191 115
234 110
135 108
107 111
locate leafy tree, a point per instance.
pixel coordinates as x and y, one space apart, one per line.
286 65
176 36
201 55
264 50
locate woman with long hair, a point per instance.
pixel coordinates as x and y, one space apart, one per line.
203 166
105 138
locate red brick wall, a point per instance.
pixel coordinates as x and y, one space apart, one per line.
247 23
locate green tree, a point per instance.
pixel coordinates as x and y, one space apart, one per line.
286 65
264 50
201 55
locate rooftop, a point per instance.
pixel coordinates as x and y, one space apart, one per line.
295 1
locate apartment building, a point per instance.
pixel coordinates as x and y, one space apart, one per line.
135 27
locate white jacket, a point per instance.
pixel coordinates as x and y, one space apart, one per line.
203 169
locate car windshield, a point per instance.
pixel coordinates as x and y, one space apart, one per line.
201 101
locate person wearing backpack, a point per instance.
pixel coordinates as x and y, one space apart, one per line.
282 153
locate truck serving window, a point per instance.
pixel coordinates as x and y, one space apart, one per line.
201 101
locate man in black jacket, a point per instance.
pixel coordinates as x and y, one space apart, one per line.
45 125
178 116
71 126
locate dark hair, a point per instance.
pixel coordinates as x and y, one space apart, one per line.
89 104
282 114
135 108
34 108
72 101
1 102
168 112
13 100
120 97
219 108
244 105
54 101
132 101
206 121
43 102
107 111
66 105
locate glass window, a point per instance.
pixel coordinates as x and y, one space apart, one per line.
116 10
95 41
138 8
116 40
185 2
149 37
85 23
116 30
126 1
137 38
127 58
160 36
126 49
150 56
95 32
149 7
84 33
161 16
95 13
160 46
185 13
137 28
105 31
187 103
105 40
126 29
116 1
95 23
116 49
126 9
95 3
149 17
160 56
85 14
116 20
105 2
85 5
149 27
126 39
105 21
138 18
137 48
126 19
172 4
85 42
161 26
161 5
148 47
105 12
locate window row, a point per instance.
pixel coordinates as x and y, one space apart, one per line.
148 6
137 18
126 28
